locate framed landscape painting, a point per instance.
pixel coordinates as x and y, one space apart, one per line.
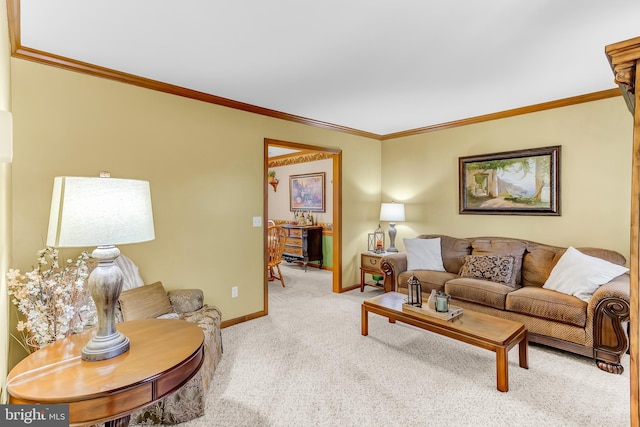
521 182
307 192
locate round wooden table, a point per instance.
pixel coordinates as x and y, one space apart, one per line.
164 354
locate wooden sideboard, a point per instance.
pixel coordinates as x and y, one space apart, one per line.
304 243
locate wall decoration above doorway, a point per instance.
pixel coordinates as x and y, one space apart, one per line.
306 192
272 180
521 182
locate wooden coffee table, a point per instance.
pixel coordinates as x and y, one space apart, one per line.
488 332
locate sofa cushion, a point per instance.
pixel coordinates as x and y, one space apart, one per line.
580 275
537 263
453 250
429 279
497 246
186 300
483 292
496 268
423 254
145 302
547 304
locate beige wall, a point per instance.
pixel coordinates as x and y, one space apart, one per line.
205 166
422 171
204 163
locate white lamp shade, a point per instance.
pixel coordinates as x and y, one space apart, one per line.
6 137
99 212
392 212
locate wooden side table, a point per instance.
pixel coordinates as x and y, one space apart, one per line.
164 354
370 264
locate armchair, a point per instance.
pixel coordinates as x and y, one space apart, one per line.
139 301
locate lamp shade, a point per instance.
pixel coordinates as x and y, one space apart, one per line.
99 212
392 212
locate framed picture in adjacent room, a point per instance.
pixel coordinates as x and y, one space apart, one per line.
521 182
307 192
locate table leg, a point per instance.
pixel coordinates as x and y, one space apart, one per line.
523 349
365 321
502 368
361 280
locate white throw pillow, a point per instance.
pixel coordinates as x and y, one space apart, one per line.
424 254
581 275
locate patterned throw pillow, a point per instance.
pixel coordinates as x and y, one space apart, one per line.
503 247
496 268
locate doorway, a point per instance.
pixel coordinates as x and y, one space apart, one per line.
335 155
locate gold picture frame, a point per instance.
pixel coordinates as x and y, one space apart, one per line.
307 192
520 182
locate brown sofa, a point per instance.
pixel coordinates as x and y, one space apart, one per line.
594 329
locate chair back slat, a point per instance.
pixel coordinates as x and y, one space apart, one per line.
276 240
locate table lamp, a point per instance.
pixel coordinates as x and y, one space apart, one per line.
392 212
101 212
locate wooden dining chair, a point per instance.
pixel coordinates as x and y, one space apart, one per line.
276 239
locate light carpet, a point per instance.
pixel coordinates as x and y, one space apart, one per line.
307 364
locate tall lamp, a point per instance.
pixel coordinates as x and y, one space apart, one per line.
101 212
392 212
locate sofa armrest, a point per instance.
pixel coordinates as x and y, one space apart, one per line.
607 310
208 318
616 289
393 265
186 300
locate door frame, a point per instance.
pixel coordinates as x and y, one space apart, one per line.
336 156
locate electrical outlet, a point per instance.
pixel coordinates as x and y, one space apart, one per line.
234 292
257 221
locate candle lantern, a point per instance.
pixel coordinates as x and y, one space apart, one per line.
442 302
378 238
371 242
415 292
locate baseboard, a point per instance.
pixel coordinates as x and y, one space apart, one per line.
242 319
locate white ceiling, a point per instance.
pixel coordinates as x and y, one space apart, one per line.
279 151
379 66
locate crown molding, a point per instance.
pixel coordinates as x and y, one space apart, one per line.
94 70
623 57
21 52
294 159
609 93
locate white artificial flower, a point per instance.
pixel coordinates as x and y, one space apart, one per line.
54 301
